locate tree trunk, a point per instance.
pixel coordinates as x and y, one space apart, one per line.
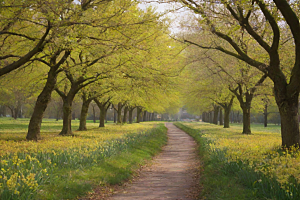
227 108
119 113
221 116
288 109
215 117
115 116
138 114
103 107
40 107
102 117
211 117
84 113
130 116
266 116
67 116
226 117
246 120
44 98
94 114
145 116
16 112
2 111
125 114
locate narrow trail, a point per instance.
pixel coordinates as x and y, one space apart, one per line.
172 174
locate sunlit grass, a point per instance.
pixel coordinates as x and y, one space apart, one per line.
26 166
253 154
13 134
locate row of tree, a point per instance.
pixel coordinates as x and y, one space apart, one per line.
107 51
242 50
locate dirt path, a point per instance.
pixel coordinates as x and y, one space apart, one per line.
172 174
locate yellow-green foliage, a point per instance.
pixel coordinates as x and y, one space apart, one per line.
24 166
261 150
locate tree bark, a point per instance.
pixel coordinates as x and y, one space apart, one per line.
288 109
103 107
115 116
67 116
17 110
138 114
2 111
266 115
94 114
102 117
227 109
221 117
246 120
226 117
84 112
130 116
40 107
119 111
125 114
216 112
145 116
211 117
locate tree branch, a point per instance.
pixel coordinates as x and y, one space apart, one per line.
39 47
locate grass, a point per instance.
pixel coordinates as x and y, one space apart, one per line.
240 166
68 167
20 126
113 170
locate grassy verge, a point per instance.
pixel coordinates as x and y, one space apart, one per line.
72 183
69 167
226 179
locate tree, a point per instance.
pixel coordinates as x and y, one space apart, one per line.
103 104
45 96
80 29
255 18
22 32
205 87
87 98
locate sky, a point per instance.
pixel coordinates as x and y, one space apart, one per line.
162 8
165 7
